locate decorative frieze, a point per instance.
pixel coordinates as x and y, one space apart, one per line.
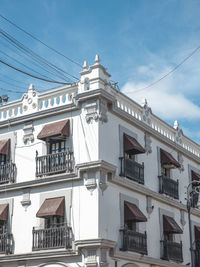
146 112
91 257
178 133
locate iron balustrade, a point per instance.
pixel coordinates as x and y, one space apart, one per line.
168 186
54 163
196 253
134 241
5 243
132 170
7 173
197 257
57 236
171 251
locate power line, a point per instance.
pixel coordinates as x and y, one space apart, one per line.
31 75
34 56
35 38
11 91
170 72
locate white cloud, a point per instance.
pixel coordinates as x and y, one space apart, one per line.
171 98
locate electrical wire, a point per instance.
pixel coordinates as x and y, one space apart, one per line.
31 75
35 38
12 84
170 72
25 65
33 55
12 91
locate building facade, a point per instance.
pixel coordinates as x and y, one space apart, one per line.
90 178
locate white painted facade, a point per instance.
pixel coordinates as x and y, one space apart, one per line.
94 191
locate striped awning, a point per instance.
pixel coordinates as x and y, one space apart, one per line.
4 212
170 225
5 147
133 213
131 145
57 129
167 160
52 207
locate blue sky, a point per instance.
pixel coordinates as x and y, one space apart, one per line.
138 41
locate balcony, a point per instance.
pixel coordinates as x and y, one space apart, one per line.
58 236
171 251
7 173
134 241
168 186
132 170
5 243
54 163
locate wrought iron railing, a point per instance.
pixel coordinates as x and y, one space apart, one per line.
7 173
132 170
57 236
5 243
168 186
54 163
134 241
171 251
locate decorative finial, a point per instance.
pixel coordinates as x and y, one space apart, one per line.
97 59
85 65
176 125
31 87
144 102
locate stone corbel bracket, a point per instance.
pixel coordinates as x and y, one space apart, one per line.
96 174
26 198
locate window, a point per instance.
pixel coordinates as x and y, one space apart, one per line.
54 221
52 211
165 172
167 185
171 250
133 240
129 167
56 147
58 158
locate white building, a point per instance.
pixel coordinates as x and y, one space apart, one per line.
90 178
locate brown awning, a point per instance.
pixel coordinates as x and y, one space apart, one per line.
5 146
170 225
56 129
131 145
197 232
167 160
4 212
195 176
133 213
52 207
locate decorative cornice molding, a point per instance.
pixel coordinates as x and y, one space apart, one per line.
99 242
38 255
144 127
131 256
134 186
39 182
